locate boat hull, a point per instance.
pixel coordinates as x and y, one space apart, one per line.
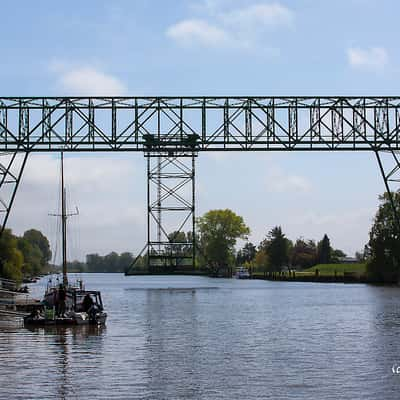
98 319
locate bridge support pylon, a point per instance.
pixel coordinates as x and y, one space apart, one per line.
171 212
389 165
12 165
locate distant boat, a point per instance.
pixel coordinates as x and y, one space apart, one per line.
242 273
63 303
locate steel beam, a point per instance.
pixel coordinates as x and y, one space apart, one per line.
389 166
159 124
11 169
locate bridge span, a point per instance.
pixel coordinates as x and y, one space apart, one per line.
171 131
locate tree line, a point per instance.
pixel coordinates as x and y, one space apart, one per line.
216 237
27 255
219 230
112 262
276 252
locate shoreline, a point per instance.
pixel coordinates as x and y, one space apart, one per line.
318 279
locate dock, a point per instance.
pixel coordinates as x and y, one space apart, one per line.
14 306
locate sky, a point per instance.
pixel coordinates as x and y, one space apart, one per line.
203 47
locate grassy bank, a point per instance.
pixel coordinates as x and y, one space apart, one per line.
330 269
326 273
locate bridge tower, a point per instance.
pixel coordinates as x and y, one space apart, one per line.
170 211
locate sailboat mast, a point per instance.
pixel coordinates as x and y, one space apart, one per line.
64 224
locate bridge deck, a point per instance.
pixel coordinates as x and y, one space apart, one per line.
185 124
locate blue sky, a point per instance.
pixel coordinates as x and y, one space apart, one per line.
204 47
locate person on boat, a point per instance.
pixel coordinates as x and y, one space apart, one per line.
36 314
87 303
62 295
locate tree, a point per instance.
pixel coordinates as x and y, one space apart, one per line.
178 243
246 254
337 255
76 266
218 233
33 257
11 259
261 261
111 262
276 245
95 263
125 261
364 255
324 251
36 238
384 242
304 253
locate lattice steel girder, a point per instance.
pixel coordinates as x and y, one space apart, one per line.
199 123
389 165
11 168
171 210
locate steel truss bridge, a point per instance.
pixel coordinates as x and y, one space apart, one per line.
171 131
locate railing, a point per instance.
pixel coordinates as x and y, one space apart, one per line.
8 284
9 315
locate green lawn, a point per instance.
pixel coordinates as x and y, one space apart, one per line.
326 270
329 269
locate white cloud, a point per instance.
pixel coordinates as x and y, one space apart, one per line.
231 28
45 170
278 181
258 16
86 80
196 31
375 58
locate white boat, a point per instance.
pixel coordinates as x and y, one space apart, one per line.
242 273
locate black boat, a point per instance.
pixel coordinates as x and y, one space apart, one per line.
64 303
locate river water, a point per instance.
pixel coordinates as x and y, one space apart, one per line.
179 337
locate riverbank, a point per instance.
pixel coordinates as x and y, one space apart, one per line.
328 273
345 278
335 273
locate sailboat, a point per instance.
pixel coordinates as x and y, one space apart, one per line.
65 303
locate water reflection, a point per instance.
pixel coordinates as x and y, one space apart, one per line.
172 337
246 340
69 347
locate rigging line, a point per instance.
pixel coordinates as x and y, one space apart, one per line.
56 225
70 234
72 229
